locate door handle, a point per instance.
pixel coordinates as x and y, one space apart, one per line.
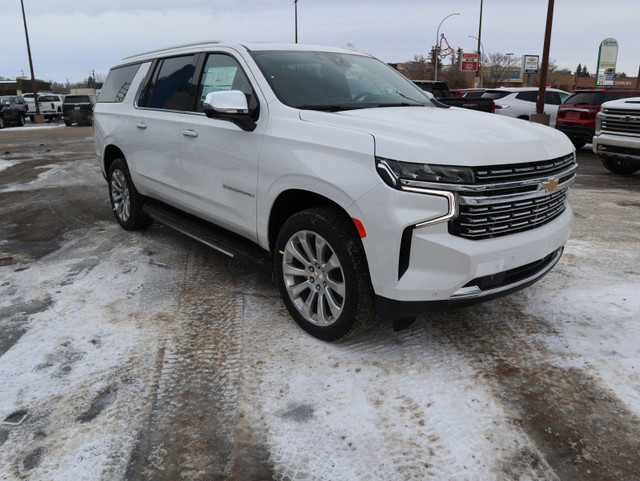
189 133
142 126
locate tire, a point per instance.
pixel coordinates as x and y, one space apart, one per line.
523 117
21 121
126 202
326 286
620 166
1 123
31 118
68 123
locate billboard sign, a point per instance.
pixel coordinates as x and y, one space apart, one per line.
607 58
530 64
469 62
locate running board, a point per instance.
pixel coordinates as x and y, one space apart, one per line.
210 235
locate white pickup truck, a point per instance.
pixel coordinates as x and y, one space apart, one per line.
50 106
617 139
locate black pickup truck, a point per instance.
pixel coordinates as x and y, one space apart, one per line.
441 92
11 110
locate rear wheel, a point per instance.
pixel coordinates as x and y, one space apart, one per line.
20 120
68 123
125 200
323 275
1 123
620 166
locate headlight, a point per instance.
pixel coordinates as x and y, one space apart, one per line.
393 172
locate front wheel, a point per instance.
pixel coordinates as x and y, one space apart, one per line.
125 200
323 274
620 166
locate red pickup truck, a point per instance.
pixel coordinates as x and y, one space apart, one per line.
577 115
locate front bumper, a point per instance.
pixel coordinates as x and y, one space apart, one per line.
576 132
497 285
440 265
617 146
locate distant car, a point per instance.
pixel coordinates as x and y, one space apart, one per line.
12 110
78 109
617 136
441 92
520 102
577 115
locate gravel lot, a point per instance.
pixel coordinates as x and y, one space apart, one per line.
148 356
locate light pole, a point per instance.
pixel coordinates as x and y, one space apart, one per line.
481 61
509 54
37 118
435 74
295 6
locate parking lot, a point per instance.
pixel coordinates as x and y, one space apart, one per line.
149 356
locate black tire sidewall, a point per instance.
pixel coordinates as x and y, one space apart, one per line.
343 243
614 166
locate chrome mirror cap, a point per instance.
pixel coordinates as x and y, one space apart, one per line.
227 102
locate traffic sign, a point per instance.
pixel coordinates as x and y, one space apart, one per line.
469 62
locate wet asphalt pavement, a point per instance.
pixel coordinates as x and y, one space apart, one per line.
149 356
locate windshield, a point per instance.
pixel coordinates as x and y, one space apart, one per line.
336 81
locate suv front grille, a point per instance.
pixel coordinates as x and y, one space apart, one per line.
520 197
621 122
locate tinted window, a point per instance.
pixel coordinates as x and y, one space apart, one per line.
614 96
174 87
117 85
552 98
48 98
494 95
585 98
563 96
473 95
530 96
77 99
222 72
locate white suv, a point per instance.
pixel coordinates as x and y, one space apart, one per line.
617 136
370 198
520 102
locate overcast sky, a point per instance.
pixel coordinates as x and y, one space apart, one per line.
69 38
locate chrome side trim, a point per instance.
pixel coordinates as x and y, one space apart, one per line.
452 212
474 292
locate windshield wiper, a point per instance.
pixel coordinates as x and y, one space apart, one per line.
399 104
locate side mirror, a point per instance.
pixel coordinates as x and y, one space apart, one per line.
229 105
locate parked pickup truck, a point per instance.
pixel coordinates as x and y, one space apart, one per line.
50 106
617 139
440 90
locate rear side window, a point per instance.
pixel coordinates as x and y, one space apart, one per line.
552 98
173 87
530 96
117 85
494 95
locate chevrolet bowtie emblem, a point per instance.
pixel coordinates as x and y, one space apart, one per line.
551 185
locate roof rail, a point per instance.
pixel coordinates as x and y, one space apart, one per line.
193 44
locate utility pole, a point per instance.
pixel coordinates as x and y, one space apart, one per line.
545 66
480 66
37 118
295 6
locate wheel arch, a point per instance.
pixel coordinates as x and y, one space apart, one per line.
292 201
111 153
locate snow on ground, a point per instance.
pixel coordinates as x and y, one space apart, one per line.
32 127
5 164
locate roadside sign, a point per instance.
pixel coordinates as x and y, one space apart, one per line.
469 62
607 58
530 64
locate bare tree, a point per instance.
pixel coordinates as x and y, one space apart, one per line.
498 67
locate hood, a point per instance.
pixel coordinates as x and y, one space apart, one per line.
632 103
448 135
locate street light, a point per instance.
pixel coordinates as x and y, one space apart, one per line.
435 74
509 54
481 62
295 6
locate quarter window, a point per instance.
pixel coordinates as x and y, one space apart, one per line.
117 85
